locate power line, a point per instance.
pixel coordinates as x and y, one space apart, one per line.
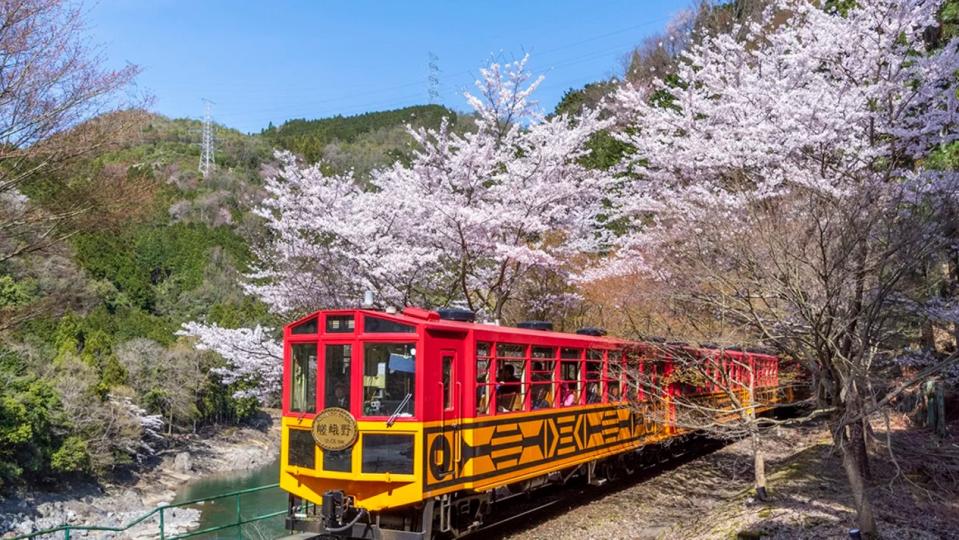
538 57
394 100
207 163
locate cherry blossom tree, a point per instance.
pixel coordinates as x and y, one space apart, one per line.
471 220
252 354
467 221
779 183
59 106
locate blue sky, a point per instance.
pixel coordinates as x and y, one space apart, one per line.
275 60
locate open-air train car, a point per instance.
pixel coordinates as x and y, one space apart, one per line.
405 425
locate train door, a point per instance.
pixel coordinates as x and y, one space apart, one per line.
452 390
446 362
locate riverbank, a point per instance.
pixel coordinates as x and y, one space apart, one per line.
115 503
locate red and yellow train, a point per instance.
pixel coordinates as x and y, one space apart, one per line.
408 425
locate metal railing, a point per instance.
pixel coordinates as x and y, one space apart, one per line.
159 511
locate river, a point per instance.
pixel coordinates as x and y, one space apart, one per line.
223 511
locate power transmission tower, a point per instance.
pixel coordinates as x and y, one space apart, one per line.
207 163
433 79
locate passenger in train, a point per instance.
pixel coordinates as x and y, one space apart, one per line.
538 374
540 390
592 393
481 393
508 388
339 396
539 398
567 397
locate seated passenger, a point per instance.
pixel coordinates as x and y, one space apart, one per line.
340 398
507 389
567 397
539 400
614 393
592 393
481 393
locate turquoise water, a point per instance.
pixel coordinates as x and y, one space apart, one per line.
224 511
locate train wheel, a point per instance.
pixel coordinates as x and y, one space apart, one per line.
613 471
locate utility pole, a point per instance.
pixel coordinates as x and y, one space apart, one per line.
206 153
433 79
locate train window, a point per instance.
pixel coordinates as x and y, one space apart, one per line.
389 379
711 372
615 376
544 353
307 327
387 453
633 373
569 375
594 371
375 325
510 367
338 461
484 382
651 381
510 350
303 381
339 324
541 377
447 382
302 449
337 383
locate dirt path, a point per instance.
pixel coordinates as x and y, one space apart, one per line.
711 498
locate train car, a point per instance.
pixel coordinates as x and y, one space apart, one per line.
410 425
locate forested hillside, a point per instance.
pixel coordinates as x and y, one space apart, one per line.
90 321
357 143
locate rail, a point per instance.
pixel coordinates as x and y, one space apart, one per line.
159 511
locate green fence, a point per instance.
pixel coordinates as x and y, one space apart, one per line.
159 511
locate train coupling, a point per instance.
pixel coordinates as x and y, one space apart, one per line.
338 513
336 518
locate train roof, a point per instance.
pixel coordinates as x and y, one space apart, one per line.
431 320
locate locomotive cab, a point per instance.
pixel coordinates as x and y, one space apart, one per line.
359 388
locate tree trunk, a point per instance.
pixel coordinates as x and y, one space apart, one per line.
854 434
759 466
850 463
759 463
857 437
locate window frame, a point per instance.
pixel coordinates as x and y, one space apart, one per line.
346 333
321 398
488 385
523 361
289 383
360 344
578 361
364 331
537 384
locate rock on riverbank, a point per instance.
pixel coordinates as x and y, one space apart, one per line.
115 504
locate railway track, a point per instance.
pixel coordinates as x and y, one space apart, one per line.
526 510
